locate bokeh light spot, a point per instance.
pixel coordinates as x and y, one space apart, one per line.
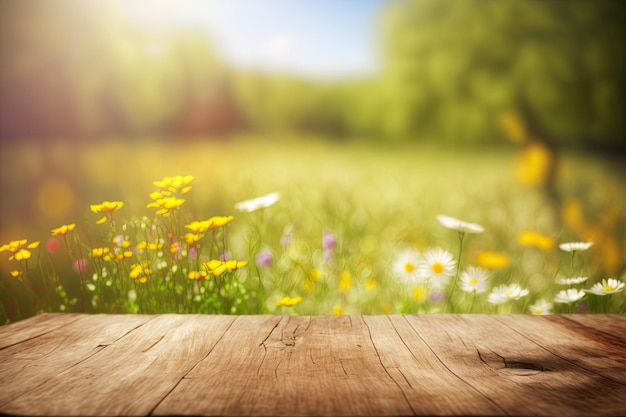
55 198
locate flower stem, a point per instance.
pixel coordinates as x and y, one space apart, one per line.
456 275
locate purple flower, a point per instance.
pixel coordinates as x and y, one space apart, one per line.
193 253
436 296
329 241
264 258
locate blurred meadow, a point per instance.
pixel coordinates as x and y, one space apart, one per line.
336 135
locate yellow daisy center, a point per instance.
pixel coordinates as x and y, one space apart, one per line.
409 267
437 268
608 288
509 293
473 281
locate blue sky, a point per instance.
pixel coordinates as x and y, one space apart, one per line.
314 38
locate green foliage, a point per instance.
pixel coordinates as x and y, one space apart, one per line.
374 202
450 68
454 66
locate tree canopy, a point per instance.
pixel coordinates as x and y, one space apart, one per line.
451 68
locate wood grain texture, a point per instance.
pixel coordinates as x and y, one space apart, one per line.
71 364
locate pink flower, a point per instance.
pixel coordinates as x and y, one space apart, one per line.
264 258
118 240
80 265
329 241
53 244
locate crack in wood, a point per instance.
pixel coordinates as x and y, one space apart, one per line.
95 351
394 365
174 386
406 398
552 352
343 368
513 367
47 331
258 370
485 396
154 344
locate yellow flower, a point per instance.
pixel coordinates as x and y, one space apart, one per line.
338 311
217 267
513 126
140 272
370 284
20 255
315 274
150 246
13 246
174 183
197 275
121 256
156 195
494 260
537 240
308 285
217 221
107 207
200 226
289 301
16 247
345 281
573 215
192 238
533 165
418 294
166 205
16 274
103 253
121 243
62 230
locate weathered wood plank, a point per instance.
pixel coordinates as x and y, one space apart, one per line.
130 376
295 366
35 326
520 375
281 365
586 345
424 379
27 366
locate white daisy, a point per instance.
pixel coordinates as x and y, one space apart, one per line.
438 266
541 307
459 225
571 281
258 203
504 293
405 266
607 286
474 279
575 246
569 296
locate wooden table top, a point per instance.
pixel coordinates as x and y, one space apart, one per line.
76 364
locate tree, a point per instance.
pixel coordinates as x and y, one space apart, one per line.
453 66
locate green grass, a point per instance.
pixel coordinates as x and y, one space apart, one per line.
377 200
